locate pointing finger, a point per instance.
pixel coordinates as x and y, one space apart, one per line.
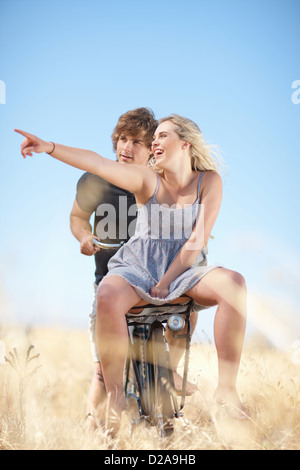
25 134
21 132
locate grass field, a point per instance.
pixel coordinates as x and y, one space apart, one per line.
43 396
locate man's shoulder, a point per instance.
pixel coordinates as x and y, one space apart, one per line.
95 184
92 190
88 180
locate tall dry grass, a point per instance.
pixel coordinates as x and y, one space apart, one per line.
43 394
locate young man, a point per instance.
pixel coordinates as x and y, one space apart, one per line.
115 217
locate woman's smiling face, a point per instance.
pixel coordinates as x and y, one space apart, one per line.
166 145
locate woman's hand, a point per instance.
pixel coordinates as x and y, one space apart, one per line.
159 291
33 144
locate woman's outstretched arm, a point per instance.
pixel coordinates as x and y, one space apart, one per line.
134 178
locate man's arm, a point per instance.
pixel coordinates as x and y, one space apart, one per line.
82 230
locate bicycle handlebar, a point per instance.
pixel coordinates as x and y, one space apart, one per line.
107 246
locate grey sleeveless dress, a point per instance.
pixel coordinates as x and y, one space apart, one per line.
160 233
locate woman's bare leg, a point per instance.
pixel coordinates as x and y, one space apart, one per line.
227 289
115 298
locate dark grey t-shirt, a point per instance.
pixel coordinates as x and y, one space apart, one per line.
115 214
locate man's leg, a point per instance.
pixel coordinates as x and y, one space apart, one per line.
97 392
96 396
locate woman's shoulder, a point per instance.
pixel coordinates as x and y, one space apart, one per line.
211 186
212 178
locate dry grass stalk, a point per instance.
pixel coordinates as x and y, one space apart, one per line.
52 398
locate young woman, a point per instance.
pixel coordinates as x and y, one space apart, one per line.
183 188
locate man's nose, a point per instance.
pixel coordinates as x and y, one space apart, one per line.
128 145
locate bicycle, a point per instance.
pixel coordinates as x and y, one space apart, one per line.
148 375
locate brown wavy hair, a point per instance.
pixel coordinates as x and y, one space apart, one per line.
140 121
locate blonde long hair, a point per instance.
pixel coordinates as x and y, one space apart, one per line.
204 157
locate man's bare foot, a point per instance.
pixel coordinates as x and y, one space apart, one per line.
109 415
229 399
190 388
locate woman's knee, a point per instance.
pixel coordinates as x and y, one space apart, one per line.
107 298
115 294
236 292
229 285
238 280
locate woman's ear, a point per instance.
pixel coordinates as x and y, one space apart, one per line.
185 145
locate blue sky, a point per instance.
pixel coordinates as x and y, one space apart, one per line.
71 68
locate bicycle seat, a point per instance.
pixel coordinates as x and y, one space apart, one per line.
180 305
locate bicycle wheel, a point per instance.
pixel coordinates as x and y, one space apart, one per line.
161 381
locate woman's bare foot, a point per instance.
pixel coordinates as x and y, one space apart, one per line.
229 399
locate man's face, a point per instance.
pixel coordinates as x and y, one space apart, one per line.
132 150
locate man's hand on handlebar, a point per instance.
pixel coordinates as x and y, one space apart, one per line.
87 245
